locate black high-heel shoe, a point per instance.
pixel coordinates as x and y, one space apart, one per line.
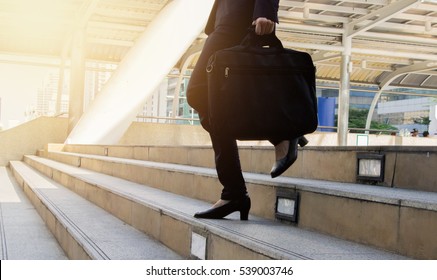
280 166
241 205
302 141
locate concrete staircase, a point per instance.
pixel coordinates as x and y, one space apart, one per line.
146 198
83 230
23 234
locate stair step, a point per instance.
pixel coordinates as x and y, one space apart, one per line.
397 220
169 218
83 229
328 163
401 197
23 233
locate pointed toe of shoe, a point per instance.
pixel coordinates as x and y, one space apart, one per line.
283 164
280 167
208 214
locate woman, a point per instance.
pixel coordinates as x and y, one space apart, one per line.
227 25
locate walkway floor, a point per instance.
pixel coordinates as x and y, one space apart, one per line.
23 233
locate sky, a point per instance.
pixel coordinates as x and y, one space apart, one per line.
18 91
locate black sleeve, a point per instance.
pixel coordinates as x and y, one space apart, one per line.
267 9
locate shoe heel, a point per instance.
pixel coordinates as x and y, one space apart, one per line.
244 215
303 141
244 211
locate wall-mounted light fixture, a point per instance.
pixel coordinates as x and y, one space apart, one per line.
370 167
287 202
198 246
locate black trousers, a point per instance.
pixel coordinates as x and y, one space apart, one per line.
227 159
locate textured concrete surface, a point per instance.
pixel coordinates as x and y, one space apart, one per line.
407 167
31 136
413 198
105 236
265 237
24 236
362 213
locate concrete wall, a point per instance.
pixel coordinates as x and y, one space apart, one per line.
186 135
30 137
164 134
408 167
410 162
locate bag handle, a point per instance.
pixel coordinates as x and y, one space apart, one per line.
255 42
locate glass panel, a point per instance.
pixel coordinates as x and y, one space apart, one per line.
370 167
286 206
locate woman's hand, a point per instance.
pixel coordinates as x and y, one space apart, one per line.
263 26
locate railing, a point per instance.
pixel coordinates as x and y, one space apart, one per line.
376 131
196 121
177 120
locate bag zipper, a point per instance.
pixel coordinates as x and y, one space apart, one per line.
262 70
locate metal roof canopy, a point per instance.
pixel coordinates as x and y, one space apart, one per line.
386 35
387 43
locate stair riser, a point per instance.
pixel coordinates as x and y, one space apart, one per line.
197 186
252 160
395 228
199 156
172 232
331 164
73 249
383 225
